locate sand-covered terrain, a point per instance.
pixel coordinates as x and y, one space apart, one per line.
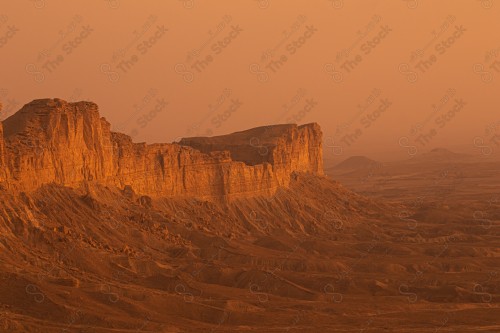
407 247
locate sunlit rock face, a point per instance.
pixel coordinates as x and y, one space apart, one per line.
3 168
287 148
53 141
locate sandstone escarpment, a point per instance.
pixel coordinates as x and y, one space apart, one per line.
2 155
287 148
52 141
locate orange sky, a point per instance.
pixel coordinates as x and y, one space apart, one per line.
160 70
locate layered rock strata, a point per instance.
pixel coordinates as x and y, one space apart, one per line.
52 141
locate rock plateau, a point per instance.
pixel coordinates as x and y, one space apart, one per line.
50 141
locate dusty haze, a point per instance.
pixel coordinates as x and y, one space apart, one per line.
142 64
249 166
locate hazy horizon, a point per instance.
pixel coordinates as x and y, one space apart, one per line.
380 78
383 214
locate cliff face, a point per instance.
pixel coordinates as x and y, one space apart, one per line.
3 167
287 148
52 141
2 156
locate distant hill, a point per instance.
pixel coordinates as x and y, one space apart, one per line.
356 162
442 155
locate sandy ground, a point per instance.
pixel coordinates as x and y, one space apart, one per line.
408 247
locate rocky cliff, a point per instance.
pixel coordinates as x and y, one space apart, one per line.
287 148
52 141
2 153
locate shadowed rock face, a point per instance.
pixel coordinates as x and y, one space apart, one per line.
52 141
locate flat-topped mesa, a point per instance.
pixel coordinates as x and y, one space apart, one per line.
287 148
52 141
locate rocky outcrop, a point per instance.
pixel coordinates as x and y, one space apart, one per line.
287 148
52 141
2 156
